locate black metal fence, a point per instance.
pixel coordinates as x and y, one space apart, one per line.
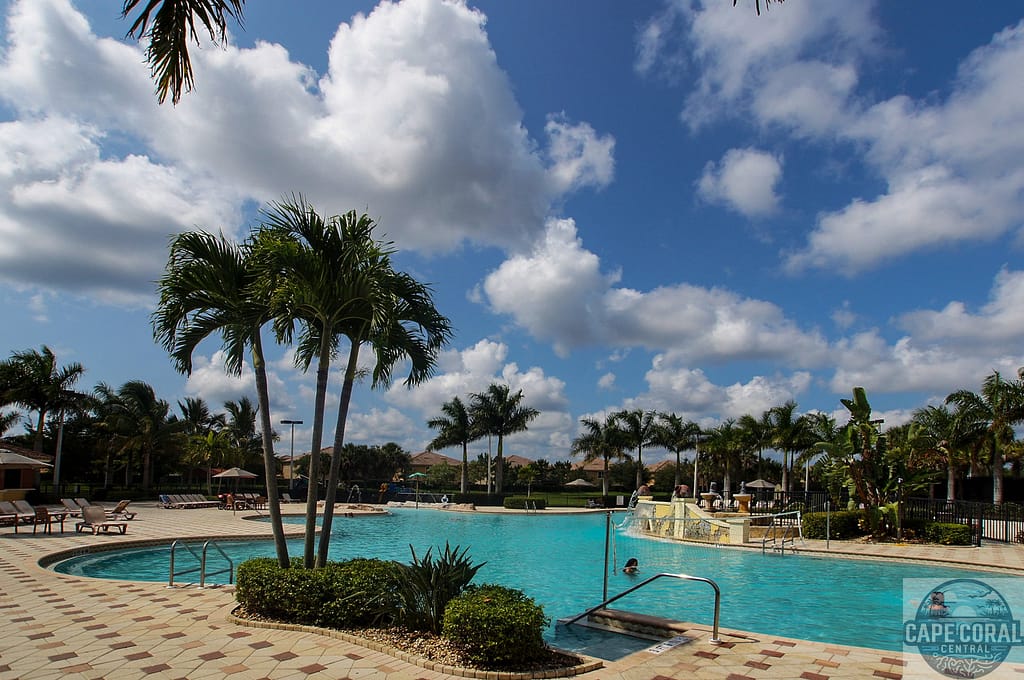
995 522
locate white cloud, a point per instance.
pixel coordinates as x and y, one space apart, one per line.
606 381
745 181
413 122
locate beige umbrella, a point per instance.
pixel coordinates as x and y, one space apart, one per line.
580 483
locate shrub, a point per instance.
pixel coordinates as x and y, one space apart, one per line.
427 586
353 593
948 534
842 524
496 626
522 503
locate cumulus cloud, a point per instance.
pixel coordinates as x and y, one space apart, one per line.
744 180
414 122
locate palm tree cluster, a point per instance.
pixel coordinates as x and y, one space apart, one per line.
496 412
321 282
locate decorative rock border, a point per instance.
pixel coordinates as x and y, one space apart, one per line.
588 665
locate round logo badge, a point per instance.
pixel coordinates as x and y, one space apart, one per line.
963 628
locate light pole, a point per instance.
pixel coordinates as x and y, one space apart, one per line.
291 464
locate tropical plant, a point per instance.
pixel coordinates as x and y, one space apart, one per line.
676 435
600 440
500 413
638 427
426 586
241 428
455 428
171 29
208 288
790 435
334 279
31 380
757 435
725 445
941 424
998 407
141 423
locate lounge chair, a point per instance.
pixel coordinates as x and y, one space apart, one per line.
95 519
8 510
73 508
120 511
83 502
166 501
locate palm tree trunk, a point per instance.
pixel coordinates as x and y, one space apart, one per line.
464 482
313 490
950 480
997 472
269 461
339 442
499 472
639 466
785 471
37 444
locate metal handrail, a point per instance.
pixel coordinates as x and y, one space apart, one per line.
718 599
785 533
201 559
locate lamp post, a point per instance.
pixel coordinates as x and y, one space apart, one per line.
291 464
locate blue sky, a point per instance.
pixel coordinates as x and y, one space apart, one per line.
676 205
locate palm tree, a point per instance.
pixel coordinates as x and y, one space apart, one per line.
943 426
639 427
331 276
677 435
206 438
821 427
30 379
789 435
455 428
500 413
602 440
171 29
1000 406
241 428
142 423
725 444
209 287
757 434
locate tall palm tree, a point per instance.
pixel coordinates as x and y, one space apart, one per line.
639 427
821 427
206 439
757 433
335 280
142 422
455 428
602 440
676 435
241 427
500 413
725 443
170 25
789 435
209 288
1000 405
31 379
942 425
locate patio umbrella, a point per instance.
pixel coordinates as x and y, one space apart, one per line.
236 473
15 461
417 476
581 483
760 484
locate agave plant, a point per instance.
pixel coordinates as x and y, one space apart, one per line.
426 586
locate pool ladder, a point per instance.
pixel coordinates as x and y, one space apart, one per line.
201 559
791 531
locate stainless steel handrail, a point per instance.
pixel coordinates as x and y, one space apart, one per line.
718 599
785 533
201 559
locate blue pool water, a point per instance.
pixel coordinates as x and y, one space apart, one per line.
558 560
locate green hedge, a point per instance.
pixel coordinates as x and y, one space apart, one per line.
496 626
353 593
948 534
524 502
841 525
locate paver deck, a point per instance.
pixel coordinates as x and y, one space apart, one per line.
61 626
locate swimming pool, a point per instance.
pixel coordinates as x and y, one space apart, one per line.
558 560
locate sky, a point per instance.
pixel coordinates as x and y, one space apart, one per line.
672 205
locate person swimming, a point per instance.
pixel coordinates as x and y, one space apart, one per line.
632 566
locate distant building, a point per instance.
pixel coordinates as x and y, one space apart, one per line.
517 461
423 461
661 465
592 471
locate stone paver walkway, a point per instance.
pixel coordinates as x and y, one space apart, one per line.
61 626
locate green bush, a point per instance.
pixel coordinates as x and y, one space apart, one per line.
841 525
427 586
496 626
948 534
349 594
523 502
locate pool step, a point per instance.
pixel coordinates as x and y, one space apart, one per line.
639 625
